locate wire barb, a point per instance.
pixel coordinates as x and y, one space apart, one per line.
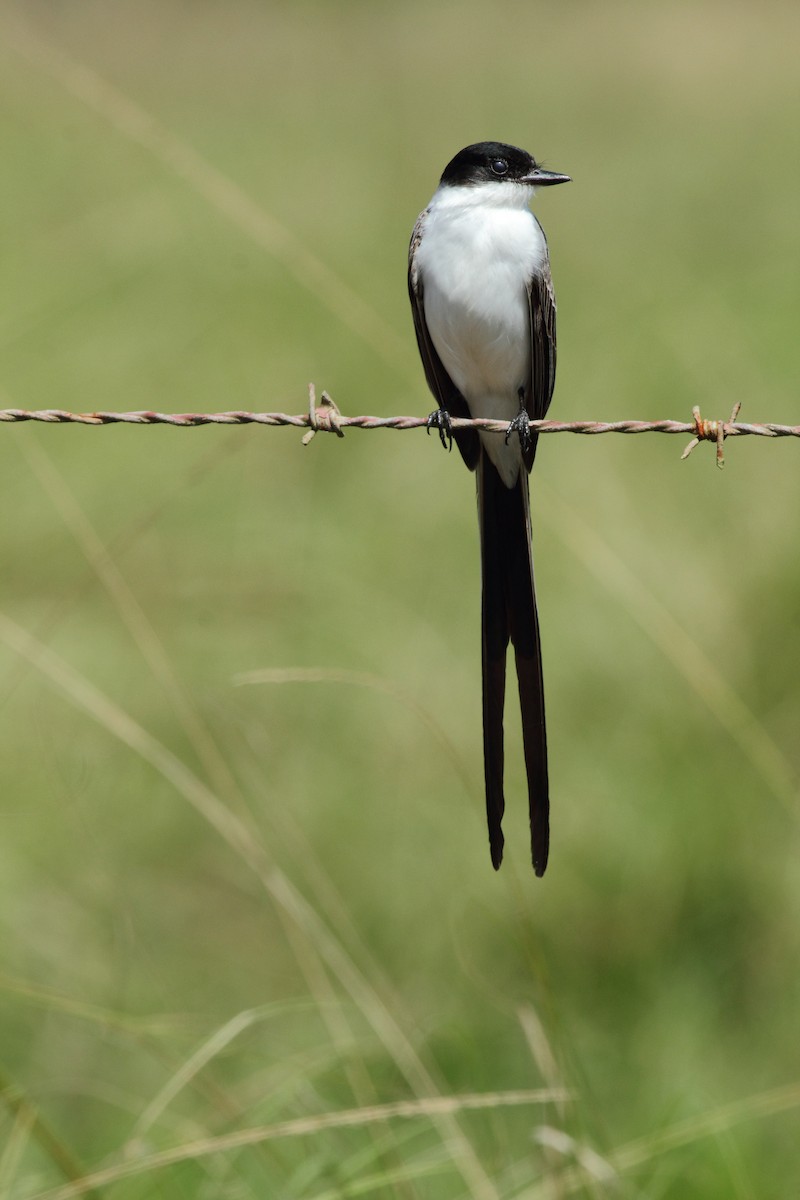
326 417
712 431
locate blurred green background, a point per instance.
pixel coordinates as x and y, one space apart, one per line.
226 906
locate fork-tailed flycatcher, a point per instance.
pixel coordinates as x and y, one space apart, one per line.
485 319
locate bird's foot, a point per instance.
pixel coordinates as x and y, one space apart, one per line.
522 427
440 420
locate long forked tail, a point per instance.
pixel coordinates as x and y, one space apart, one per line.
509 613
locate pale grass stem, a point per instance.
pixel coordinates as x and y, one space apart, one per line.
244 842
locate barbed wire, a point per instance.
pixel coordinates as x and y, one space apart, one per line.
326 417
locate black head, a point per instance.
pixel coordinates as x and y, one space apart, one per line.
494 162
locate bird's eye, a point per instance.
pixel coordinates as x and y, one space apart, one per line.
499 166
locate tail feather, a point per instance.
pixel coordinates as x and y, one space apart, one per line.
509 614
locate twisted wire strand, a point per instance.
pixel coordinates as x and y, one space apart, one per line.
58 416
326 417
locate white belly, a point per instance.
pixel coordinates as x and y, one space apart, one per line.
475 264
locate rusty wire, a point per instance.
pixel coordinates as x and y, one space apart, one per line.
326 417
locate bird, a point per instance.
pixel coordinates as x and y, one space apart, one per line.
484 314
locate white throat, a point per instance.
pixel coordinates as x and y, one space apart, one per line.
502 194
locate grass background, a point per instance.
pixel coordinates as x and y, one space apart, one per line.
225 907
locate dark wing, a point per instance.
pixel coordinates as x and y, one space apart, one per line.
445 392
542 312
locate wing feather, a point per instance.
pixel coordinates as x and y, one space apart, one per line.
445 392
542 312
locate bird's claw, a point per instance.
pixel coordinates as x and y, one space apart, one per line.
440 421
521 426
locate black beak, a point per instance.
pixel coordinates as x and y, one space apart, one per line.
540 178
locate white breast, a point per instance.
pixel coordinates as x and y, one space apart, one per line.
479 248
